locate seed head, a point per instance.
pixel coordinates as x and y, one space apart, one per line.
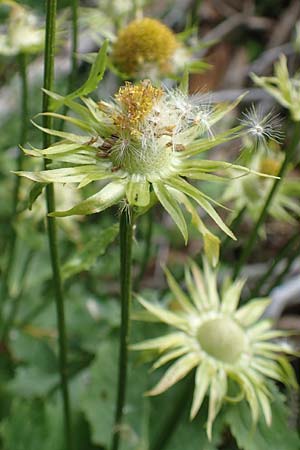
262 127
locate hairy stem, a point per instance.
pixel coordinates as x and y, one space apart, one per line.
290 151
12 238
126 235
51 221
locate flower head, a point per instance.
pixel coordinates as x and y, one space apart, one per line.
285 89
230 348
145 44
145 144
23 33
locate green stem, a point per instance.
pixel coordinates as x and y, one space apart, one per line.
279 257
72 79
74 48
12 238
233 226
277 281
126 235
51 221
147 250
290 151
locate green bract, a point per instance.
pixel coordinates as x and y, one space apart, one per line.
144 144
284 89
229 347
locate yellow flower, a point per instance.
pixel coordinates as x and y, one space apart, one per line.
222 342
145 44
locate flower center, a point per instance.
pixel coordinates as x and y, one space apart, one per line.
140 145
144 41
223 339
136 103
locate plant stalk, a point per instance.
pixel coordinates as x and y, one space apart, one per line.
279 257
12 238
277 281
126 236
253 235
51 6
74 7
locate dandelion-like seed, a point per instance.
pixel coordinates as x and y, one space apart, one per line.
262 127
222 342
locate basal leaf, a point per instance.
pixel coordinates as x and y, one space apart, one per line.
87 257
279 436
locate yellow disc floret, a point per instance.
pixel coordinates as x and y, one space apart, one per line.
142 42
136 102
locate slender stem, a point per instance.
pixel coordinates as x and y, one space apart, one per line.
253 236
74 6
233 226
51 221
147 250
195 12
74 48
12 238
126 235
279 257
286 269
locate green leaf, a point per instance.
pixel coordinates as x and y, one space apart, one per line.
34 193
32 425
99 398
279 436
93 249
111 194
94 78
31 382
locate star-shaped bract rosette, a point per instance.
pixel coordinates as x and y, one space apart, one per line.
145 144
231 349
